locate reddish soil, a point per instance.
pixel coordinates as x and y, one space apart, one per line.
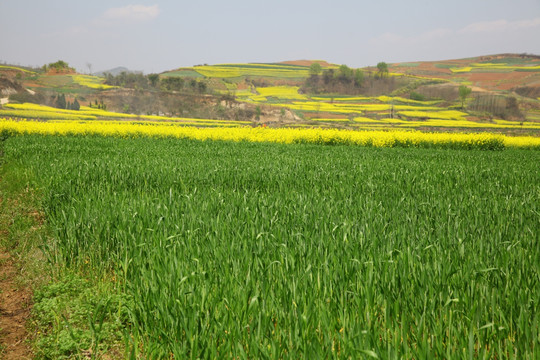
15 305
306 62
33 85
432 67
491 81
499 81
61 72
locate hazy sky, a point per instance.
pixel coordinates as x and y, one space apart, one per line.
159 35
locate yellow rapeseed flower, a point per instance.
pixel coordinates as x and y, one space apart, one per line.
263 134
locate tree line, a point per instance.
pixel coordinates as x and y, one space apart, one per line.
61 103
343 80
140 81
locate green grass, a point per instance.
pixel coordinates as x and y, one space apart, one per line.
493 70
76 316
265 66
410 64
57 80
511 61
446 66
70 314
183 73
299 251
524 69
62 84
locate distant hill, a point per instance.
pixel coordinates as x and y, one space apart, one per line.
417 95
499 72
117 71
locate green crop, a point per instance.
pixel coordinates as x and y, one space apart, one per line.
250 250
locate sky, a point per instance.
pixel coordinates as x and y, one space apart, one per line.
158 35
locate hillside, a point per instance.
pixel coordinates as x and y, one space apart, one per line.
115 71
504 72
421 96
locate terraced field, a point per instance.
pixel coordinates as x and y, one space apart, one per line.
379 112
249 70
29 111
392 111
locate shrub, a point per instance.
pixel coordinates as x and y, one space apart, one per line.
416 96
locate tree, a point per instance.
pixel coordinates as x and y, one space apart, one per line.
154 79
464 92
346 74
201 87
328 75
59 66
417 96
172 83
358 77
258 113
315 69
282 114
61 101
383 69
75 105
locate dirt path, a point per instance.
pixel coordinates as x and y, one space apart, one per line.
15 305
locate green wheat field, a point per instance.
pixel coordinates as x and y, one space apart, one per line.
272 251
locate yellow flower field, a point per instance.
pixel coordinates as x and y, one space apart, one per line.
461 70
341 98
330 120
281 92
444 123
445 114
261 134
490 66
34 111
265 70
93 82
390 99
45 115
346 108
7 67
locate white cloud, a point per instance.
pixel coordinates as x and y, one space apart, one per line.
523 24
485 26
479 38
99 27
132 13
479 29
500 25
434 34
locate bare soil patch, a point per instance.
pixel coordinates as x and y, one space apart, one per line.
498 81
306 62
15 306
